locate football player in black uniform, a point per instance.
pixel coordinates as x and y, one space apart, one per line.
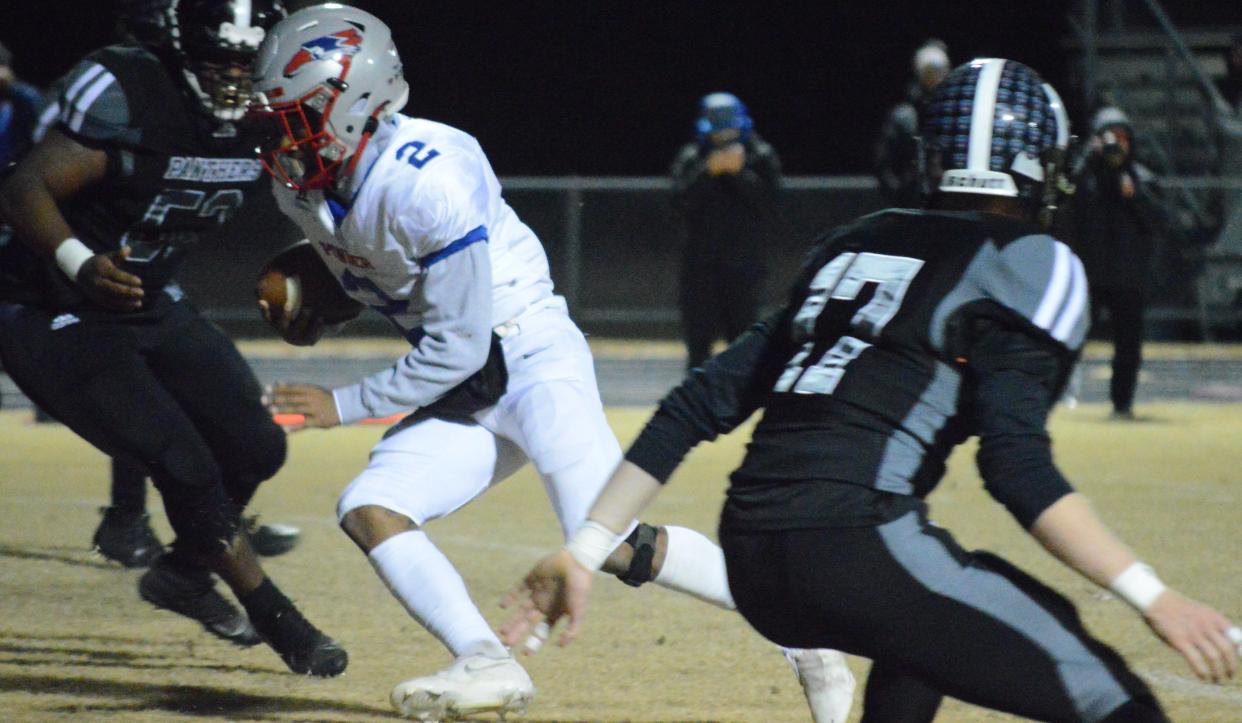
909 332
124 534
95 331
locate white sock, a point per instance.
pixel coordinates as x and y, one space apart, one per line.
695 565
434 594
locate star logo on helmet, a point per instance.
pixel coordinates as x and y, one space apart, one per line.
346 44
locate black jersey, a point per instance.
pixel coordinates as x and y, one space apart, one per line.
173 173
909 332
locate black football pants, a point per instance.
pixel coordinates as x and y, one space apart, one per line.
162 388
935 619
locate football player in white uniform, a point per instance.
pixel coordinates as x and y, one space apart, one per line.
408 214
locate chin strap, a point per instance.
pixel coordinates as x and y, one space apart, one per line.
368 130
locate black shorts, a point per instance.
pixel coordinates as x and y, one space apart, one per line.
906 595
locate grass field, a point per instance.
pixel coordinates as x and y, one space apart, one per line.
75 640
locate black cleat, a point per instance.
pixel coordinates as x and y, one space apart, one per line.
271 540
193 593
303 648
126 537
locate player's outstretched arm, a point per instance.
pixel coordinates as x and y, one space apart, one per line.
710 401
1074 534
1015 388
558 586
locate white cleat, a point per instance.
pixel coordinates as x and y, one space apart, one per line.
826 681
473 684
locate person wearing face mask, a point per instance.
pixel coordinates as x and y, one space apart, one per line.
1114 217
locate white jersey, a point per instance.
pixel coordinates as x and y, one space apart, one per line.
427 241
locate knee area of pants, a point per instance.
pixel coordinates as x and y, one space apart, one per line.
267 449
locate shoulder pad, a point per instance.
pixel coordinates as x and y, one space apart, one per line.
92 100
1043 280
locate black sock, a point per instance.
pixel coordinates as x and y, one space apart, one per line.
129 488
264 602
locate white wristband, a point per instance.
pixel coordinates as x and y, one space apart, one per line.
592 544
70 255
1138 585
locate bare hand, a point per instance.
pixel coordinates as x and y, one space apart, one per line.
1196 631
315 404
104 283
556 587
303 328
727 161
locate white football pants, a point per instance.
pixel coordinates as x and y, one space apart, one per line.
551 415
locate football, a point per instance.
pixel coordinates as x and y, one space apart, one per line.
297 277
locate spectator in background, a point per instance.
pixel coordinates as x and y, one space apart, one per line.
1115 216
19 111
725 183
1231 84
896 153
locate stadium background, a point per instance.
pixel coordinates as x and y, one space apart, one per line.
571 92
580 106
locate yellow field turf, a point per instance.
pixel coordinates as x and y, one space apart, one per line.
75 640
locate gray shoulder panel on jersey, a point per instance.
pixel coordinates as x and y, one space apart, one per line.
93 103
1036 276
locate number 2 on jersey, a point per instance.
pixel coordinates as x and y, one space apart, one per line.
843 279
419 154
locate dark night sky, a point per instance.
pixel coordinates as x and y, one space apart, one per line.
594 87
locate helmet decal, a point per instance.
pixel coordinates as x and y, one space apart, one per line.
347 43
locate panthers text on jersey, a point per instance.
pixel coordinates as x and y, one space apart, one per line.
896 346
172 173
425 239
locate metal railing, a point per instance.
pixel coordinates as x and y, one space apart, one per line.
615 247
574 205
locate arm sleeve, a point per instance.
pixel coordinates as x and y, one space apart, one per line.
455 294
712 400
1017 378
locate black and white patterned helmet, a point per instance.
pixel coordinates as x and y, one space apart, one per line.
994 127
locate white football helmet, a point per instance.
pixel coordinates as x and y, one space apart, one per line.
324 79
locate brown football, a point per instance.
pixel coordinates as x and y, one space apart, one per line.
297 277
